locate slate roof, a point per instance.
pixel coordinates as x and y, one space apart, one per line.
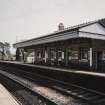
76 27
102 22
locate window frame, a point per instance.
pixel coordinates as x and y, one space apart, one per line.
84 54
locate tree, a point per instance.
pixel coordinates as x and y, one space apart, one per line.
5 53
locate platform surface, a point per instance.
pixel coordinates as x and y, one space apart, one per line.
6 98
75 71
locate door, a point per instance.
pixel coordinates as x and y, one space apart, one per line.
99 60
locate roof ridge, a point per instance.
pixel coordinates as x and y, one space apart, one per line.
68 28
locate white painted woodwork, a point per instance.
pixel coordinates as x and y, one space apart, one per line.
46 56
90 57
94 28
90 35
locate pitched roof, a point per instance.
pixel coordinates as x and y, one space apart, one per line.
76 27
102 22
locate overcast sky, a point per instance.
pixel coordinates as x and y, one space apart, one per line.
25 19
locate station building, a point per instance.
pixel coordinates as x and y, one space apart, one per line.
78 47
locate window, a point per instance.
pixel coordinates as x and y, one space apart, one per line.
103 55
53 54
84 54
69 54
72 54
60 54
39 54
42 54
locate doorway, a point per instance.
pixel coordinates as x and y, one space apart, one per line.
99 60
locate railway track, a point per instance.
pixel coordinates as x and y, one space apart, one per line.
53 97
88 95
21 94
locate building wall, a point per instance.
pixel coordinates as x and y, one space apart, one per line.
73 53
64 53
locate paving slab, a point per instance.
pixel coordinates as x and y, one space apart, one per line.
6 97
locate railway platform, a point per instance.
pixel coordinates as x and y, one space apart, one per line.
86 79
75 71
6 98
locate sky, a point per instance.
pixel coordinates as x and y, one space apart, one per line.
26 19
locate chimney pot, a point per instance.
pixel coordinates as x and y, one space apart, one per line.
61 26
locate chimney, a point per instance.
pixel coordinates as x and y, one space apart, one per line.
60 27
